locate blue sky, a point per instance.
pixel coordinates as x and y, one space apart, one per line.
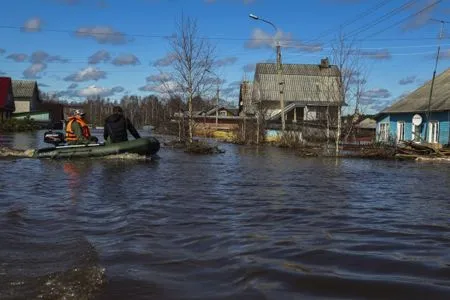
86 47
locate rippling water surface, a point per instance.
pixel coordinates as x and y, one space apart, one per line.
247 224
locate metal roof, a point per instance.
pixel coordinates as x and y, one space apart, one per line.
303 83
417 101
23 88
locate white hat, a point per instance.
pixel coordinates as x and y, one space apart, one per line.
79 112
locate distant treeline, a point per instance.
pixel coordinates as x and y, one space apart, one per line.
149 110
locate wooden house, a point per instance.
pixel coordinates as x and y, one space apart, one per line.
7 106
26 96
311 93
408 119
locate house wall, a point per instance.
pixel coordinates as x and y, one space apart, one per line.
5 115
407 119
442 117
22 106
34 102
44 116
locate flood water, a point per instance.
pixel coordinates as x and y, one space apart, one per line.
246 224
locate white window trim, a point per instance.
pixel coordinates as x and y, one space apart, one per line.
400 131
436 128
384 137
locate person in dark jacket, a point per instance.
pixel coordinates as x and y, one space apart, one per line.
116 126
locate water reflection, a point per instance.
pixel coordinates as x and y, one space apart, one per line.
78 173
252 223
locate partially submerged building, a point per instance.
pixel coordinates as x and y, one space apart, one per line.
408 120
312 94
26 96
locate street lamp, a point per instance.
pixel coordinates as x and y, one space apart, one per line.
279 69
217 96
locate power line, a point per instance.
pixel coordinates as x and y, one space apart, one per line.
161 36
228 54
369 55
405 19
351 21
381 19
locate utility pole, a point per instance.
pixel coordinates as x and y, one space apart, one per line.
217 103
280 86
434 75
279 70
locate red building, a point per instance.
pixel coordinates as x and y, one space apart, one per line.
7 106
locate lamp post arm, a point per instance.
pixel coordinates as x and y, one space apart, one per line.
268 22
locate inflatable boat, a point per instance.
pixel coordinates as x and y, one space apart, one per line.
144 146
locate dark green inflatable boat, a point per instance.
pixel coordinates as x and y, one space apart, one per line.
143 146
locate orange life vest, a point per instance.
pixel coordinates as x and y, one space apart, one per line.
70 135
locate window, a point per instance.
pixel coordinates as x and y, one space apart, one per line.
311 113
433 132
400 131
384 131
416 129
223 113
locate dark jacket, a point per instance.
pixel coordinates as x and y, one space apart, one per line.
115 129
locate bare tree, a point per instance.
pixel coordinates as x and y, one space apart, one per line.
193 58
347 57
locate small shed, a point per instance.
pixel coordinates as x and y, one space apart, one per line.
26 95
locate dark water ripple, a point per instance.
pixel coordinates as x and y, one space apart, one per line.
247 224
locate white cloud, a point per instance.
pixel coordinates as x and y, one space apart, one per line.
165 61
163 88
32 25
32 71
226 61
44 57
261 39
89 73
407 80
125 59
99 56
427 8
102 34
18 57
378 54
163 77
94 90
379 93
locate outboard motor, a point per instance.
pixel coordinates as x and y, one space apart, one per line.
54 138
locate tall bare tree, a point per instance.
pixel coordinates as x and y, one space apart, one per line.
193 58
347 57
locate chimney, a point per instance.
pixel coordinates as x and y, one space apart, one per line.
324 63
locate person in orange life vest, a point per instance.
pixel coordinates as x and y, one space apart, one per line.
77 130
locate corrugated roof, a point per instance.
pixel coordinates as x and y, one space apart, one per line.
298 69
212 111
417 101
367 123
23 88
303 83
